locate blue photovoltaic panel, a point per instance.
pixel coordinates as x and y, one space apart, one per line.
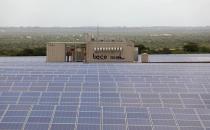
11 126
41 113
13 119
89 120
16 113
68 120
62 127
29 126
88 127
39 119
35 95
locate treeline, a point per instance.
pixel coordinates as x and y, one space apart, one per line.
154 40
188 48
40 51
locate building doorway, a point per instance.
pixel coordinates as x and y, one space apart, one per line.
75 53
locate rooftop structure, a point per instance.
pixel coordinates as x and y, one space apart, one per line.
92 50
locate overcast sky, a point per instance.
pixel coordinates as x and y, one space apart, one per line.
74 13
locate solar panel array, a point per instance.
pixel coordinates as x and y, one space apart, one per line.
35 95
179 58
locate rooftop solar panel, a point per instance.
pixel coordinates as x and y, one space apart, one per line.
112 96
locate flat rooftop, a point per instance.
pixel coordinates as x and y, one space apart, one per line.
35 95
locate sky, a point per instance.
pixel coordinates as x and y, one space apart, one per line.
130 13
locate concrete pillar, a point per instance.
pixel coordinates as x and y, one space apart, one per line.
145 58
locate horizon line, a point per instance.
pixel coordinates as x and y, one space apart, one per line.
98 26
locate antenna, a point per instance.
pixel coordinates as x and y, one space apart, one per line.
97 37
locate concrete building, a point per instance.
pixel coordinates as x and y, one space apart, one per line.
90 52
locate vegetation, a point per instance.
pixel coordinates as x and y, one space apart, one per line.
187 48
191 47
156 40
24 52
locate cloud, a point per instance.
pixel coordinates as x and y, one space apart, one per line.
104 12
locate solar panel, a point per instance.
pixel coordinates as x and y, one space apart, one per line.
65 114
30 126
16 113
13 119
39 119
11 126
35 95
62 127
165 128
41 113
114 127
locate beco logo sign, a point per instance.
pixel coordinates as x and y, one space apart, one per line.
104 57
99 57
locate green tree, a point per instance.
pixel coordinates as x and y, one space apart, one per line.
141 48
26 52
39 51
191 47
165 51
204 49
